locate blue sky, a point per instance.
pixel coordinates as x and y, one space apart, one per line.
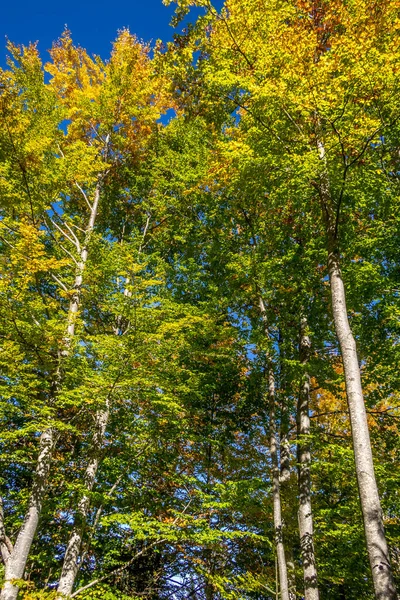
93 23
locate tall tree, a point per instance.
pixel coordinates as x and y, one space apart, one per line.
308 79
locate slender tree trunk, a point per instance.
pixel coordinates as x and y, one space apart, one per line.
284 476
83 252
284 428
5 542
285 453
276 494
16 561
369 497
306 527
70 564
377 548
291 569
285 486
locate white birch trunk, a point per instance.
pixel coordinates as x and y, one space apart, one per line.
377 548
305 516
284 445
276 493
76 298
5 543
369 497
284 475
70 565
16 561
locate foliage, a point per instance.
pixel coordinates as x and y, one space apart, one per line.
198 218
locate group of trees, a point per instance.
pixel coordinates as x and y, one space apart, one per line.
199 308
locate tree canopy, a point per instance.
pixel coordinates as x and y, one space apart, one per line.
199 309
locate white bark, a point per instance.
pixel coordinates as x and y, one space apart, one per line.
71 562
377 548
16 561
5 543
305 516
76 298
276 493
284 445
370 504
70 565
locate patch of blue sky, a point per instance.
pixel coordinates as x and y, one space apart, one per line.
63 125
168 116
92 24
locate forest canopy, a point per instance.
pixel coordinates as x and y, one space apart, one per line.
200 309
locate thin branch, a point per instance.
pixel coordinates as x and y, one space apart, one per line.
78 245
34 319
262 123
65 234
60 149
244 55
98 515
289 116
145 232
69 254
55 240
84 195
8 243
60 283
2 224
78 228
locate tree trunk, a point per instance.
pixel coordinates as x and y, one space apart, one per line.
70 564
5 542
377 548
16 562
284 475
370 504
276 494
284 426
306 528
76 298
291 570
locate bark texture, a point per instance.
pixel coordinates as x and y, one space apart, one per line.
377 547
15 562
276 492
70 565
73 557
305 516
284 445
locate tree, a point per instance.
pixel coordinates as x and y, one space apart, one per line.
307 78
